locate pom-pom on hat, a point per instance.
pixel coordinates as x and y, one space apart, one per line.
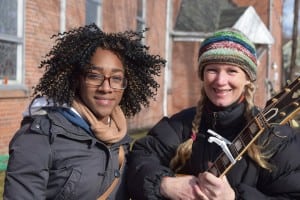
228 46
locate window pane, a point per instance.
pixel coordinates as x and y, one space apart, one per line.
8 60
92 11
8 17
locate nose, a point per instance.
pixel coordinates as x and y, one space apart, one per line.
105 86
221 78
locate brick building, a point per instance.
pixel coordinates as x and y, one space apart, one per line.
26 27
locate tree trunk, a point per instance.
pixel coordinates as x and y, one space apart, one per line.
293 66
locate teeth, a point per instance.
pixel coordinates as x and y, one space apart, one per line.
218 90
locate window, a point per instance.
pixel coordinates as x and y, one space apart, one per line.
93 13
141 15
11 42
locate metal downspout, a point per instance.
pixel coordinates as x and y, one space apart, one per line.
168 55
269 49
62 16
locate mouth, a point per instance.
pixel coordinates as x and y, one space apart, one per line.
103 101
222 91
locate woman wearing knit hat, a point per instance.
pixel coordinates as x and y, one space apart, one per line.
200 152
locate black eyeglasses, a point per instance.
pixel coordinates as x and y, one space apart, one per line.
115 81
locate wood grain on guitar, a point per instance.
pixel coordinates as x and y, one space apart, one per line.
279 110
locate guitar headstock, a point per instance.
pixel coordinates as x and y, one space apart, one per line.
287 104
280 109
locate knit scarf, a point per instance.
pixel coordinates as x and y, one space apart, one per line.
108 133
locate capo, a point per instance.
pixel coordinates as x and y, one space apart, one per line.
222 142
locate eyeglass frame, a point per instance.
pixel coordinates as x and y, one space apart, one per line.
124 80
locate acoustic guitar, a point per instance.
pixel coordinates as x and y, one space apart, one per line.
279 110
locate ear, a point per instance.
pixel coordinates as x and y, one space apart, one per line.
248 80
247 84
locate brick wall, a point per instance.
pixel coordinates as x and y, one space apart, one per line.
11 115
155 38
185 83
42 21
264 10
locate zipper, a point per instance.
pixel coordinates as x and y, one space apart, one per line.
214 121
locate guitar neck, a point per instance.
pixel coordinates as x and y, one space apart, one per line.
239 145
279 110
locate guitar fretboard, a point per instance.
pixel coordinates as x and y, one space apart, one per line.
239 145
281 108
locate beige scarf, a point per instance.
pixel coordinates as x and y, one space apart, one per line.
109 133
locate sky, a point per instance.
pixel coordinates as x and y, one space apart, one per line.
288 17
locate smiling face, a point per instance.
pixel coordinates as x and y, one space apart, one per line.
101 100
224 83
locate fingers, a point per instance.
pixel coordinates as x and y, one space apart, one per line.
199 194
213 187
208 179
177 188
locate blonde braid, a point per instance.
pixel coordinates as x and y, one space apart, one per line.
254 150
184 150
249 96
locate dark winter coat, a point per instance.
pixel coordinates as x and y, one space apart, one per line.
51 158
151 155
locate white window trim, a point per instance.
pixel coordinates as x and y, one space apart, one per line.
19 40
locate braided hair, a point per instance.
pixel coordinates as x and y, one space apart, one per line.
227 46
70 57
184 150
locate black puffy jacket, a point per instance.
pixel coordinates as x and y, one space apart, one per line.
151 155
51 158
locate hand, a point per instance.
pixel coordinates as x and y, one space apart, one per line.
214 188
182 187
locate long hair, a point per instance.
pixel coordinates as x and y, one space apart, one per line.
70 57
184 150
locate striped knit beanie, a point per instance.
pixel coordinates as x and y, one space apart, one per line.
228 46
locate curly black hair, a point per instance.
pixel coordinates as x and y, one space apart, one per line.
70 57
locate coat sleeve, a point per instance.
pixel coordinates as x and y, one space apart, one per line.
149 161
284 181
27 171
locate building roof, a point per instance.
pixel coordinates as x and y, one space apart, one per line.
200 15
206 16
246 20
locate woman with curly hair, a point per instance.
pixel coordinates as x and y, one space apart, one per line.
73 137
182 157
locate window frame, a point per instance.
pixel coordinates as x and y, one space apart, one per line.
19 41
